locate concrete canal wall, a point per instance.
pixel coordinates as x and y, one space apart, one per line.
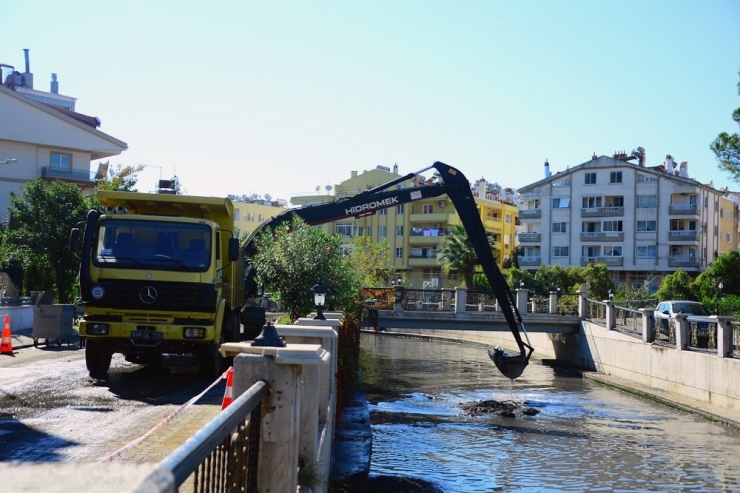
696 375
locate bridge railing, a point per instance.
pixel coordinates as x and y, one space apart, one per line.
429 300
222 456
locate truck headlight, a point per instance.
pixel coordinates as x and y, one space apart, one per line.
194 333
97 329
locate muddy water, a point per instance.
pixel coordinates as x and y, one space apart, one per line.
586 437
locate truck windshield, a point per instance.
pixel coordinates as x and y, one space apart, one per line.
161 245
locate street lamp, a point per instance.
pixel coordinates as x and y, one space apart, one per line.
399 281
611 295
521 284
319 299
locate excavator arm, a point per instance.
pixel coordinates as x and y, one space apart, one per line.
450 182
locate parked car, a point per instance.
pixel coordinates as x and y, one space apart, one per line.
697 312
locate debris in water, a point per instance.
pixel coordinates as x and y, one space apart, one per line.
506 409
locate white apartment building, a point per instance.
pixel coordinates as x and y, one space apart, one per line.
642 222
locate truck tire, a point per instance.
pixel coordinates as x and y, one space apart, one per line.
232 327
211 362
97 359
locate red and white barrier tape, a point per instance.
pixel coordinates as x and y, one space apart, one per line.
118 453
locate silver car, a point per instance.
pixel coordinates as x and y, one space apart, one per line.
697 312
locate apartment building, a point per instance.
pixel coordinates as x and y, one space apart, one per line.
414 231
41 135
642 222
251 211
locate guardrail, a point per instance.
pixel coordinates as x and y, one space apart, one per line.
223 455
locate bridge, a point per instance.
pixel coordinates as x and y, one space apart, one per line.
460 309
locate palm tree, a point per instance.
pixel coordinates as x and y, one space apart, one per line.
457 253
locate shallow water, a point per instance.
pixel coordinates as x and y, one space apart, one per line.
587 437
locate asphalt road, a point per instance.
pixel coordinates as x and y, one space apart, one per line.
52 411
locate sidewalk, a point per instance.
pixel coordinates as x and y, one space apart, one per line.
23 338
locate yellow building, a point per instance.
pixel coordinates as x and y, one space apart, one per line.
251 212
414 231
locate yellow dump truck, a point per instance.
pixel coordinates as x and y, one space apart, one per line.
159 274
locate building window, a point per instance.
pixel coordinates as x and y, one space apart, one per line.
729 238
721 212
344 229
507 218
381 231
399 209
260 217
647 200
611 226
369 231
591 202
559 227
706 201
507 241
399 230
613 251
560 251
428 209
60 161
646 178
590 179
591 251
646 226
399 252
359 230
383 212
647 251
236 214
615 177
559 203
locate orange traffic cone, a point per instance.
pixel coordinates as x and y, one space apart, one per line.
6 345
229 394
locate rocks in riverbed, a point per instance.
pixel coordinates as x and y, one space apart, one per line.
506 409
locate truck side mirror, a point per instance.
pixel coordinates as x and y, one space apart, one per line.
233 249
73 237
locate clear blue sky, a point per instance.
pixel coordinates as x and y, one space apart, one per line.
277 98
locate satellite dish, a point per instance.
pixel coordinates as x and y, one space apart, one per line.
254 196
328 188
231 196
244 197
318 187
268 197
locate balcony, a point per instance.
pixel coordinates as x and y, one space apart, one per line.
683 235
530 214
530 237
436 217
683 210
73 175
423 262
529 261
602 236
602 212
608 260
685 261
427 236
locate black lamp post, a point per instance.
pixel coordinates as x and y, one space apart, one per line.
611 295
319 299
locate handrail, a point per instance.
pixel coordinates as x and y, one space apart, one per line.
190 455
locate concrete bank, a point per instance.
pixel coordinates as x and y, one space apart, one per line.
691 381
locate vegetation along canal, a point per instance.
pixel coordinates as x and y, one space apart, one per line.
586 437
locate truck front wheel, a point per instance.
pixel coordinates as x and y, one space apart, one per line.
97 359
211 362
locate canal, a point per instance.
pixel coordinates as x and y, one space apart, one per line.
586 437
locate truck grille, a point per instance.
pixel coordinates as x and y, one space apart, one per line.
170 296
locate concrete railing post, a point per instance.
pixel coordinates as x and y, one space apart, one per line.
611 315
583 302
682 331
284 406
521 300
460 294
724 336
553 302
648 324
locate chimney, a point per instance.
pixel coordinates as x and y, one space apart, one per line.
684 170
353 174
54 84
641 157
547 169
27 77
395 168
668 164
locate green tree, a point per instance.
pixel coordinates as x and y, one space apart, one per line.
293 256
676 286
45 213
727 149
457 253
371 262
123 178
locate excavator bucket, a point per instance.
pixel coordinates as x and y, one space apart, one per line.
510 365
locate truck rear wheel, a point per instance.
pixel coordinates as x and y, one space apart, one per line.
97 359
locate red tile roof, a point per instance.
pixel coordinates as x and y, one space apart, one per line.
87 120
